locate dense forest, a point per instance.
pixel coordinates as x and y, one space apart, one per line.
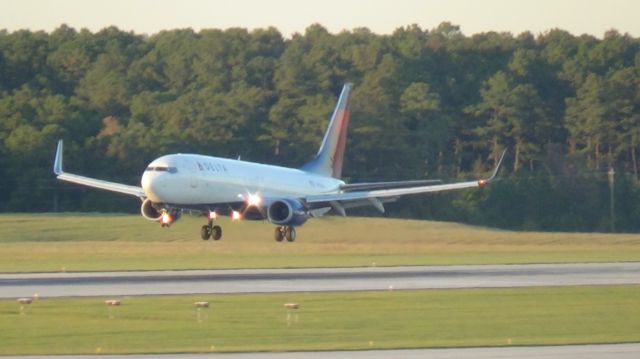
426 104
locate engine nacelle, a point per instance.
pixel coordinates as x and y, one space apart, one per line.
152 213
287 212
149 212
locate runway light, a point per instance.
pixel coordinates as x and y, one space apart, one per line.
213 215
24 304
112 304
236 216
201 304
292 317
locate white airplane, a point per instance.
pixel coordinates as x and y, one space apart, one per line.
286 197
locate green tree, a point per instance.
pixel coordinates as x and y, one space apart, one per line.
428 129
585 119
514 115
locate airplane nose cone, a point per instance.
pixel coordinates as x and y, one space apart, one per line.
151 186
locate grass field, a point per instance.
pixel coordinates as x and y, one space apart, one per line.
71 242
325 321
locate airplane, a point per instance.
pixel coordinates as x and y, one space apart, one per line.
286 197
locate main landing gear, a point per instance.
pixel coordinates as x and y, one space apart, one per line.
210 231
287 232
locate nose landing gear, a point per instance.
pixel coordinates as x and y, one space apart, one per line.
210 231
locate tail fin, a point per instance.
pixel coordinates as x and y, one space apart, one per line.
328 160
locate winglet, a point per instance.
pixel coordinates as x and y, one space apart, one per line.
57 163
482 182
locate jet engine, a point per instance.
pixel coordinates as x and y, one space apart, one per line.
287 212
150 212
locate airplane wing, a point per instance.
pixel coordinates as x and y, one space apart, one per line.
376 197
352 187
92 182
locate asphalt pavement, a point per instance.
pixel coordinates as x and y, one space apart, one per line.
314 279
604 351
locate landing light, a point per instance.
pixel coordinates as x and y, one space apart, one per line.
254 200
166 218
213 215
236 216
482 182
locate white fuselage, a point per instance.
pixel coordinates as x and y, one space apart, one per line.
190 179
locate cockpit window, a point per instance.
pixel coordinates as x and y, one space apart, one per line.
162 169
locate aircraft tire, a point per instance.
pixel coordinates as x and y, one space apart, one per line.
205 232
290 233
279 233
216 233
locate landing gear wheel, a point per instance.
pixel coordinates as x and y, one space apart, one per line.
205 232
216 233
290 233
279 233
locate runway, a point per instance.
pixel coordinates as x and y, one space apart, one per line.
112 284
314 279
605 351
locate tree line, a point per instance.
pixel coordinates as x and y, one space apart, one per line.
426 104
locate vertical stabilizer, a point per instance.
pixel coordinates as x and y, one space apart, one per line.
328 161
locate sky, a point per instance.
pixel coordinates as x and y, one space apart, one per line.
290 16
